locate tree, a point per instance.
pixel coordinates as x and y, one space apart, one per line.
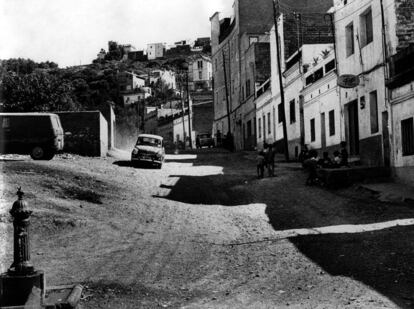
38 91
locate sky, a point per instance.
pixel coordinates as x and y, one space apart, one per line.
72 32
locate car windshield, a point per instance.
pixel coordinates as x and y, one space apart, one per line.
148 141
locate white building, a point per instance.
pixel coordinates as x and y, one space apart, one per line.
129 81
321 107
168 78
155 50
293 80
200 72
360 53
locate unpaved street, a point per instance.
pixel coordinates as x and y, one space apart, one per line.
203 232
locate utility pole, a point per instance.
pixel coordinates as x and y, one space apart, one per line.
189 109
182 107
230 138
298 18
279 69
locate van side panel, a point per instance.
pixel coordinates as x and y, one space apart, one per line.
21 133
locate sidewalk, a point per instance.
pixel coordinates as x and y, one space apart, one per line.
391 191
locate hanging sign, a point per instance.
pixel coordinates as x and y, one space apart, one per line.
348 81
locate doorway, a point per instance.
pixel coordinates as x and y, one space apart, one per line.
352 127
386 139
323 132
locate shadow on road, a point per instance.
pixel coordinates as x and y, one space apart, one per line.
140 165
382 259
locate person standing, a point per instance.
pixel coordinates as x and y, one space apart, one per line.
270 160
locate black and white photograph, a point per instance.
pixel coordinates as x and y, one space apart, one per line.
207 154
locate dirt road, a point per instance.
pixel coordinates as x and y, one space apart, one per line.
203 232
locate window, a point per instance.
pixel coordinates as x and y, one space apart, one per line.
366 28
249 128
260 128
349 39
373 106
332 122
407 137
200 74
200 64
312 125
247 88
269 125
264 126
330 66
292 111
279 113
242 92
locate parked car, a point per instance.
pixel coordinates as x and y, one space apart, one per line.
149 148
38 134
204 140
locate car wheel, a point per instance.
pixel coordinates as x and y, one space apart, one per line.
37 153
159 166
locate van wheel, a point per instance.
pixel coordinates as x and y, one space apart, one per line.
49 155
37 153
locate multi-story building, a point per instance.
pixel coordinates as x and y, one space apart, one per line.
155 50
129 81
230 38
200 73
167 77
303 34
400 85
321 106
254 73
367 33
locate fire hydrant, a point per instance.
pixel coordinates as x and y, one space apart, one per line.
22 284
21 245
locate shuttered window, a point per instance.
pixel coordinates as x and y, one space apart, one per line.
312 125
407 137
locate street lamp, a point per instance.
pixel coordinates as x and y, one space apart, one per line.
185 67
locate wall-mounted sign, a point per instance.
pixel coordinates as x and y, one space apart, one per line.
348 81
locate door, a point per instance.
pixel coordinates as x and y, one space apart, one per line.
386 139
323 132
353 127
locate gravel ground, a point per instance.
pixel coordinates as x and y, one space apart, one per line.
203 232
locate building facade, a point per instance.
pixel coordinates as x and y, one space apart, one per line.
322 108
155 50
200 73
230 39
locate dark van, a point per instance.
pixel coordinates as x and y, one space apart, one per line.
37 134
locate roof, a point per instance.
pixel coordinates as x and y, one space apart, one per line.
27 114
151 136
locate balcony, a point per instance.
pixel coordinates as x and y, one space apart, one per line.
401 68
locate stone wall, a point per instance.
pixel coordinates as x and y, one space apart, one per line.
405 23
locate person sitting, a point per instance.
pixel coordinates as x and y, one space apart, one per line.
325 162
344 155
304 154
260 160
337 159
311 165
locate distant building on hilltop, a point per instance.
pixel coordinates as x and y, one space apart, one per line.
155 50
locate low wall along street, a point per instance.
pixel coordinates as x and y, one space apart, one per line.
86 133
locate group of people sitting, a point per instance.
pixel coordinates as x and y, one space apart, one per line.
266 158
312 162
